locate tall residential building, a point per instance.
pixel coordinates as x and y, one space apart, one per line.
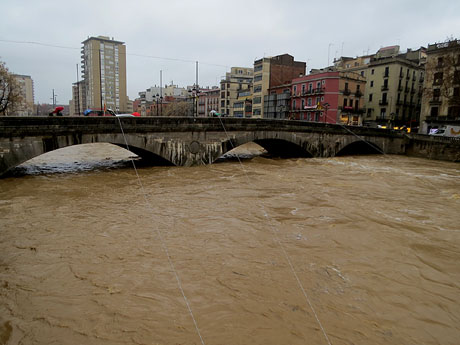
441 96
77 103
26 84
104 73
394 85
394 90
239 79
270 72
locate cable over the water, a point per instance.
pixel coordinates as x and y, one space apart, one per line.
286 255
160 236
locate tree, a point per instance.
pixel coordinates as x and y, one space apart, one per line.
10 91
442 85
178 108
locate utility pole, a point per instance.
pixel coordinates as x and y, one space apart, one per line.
78 94
197 88
329 47
54 99
161 92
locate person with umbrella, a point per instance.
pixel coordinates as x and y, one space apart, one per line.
57 111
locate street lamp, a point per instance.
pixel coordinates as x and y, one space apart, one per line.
194 95
156 98
326 106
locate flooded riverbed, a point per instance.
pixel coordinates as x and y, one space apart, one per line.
349 250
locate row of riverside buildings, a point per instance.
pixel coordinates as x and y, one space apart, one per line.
414 89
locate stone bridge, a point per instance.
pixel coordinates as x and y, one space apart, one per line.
186 141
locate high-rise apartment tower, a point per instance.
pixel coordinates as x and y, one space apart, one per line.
104 74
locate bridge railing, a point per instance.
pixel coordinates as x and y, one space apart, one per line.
29 126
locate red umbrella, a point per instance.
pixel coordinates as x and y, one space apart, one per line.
136 114
58 109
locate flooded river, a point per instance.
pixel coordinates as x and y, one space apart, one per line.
349 250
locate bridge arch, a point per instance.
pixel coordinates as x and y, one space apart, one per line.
359 147
285 145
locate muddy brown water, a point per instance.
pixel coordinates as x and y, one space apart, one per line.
349 250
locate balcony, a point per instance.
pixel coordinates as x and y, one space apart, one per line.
399 102
358 93
346 92
407 89
400 88
435 100
383 102
384 87
352 110
319 90
386 74
412 91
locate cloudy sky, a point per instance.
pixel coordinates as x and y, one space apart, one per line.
43 38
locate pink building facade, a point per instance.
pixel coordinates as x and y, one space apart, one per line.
329 97
314 97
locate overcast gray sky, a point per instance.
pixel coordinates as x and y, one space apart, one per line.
218 34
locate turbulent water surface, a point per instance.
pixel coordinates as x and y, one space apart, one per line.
350 250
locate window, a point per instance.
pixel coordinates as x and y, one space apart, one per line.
310 87
434 111
440 61
294 89
437 79
257 68
345 102
370 97
362 73
294 104
383 113
372 71
318 85
309 102
257 88
387 71
453 111
303 103
303 88
372 83
351 103
258 77
456 92
257 100
323 82
456 77
346 86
